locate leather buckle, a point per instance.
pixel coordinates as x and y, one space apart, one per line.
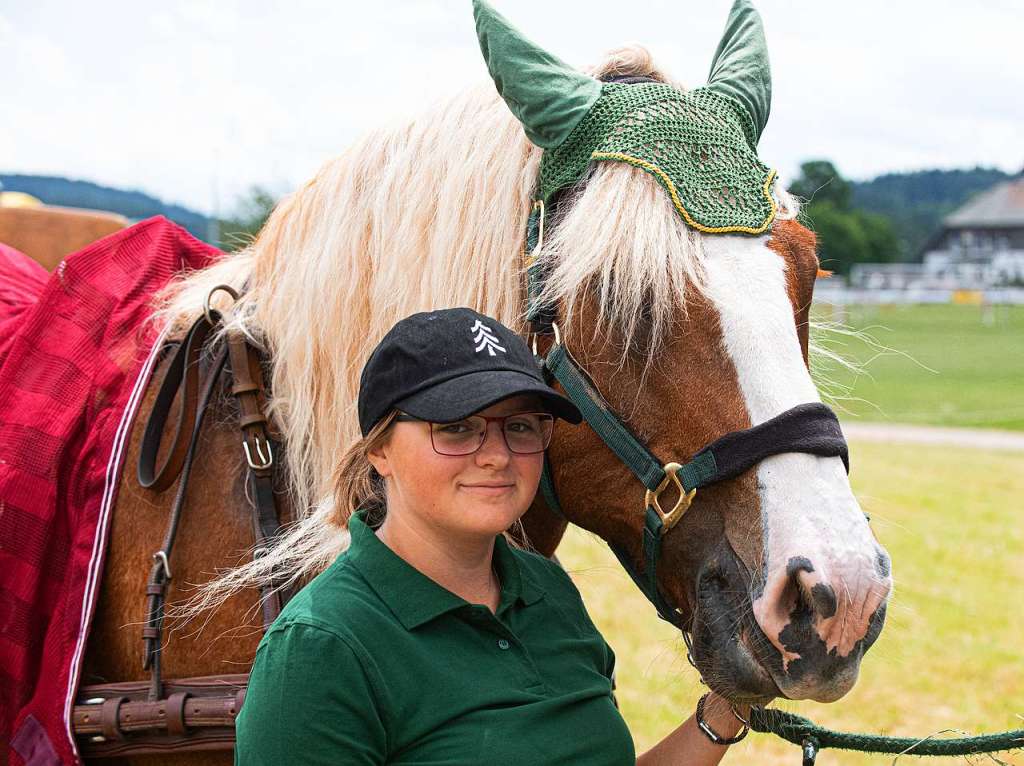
266 460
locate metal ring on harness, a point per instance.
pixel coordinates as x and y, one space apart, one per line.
206 303
669 519
161 556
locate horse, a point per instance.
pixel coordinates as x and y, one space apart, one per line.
687 335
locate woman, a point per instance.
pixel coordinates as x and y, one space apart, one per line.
432 639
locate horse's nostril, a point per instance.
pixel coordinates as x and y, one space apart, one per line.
812 597
883 564
798 564
823 598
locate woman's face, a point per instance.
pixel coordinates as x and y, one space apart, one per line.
477 495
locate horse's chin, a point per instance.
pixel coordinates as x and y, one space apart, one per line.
722 650
728 665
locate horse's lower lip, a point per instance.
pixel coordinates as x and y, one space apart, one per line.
756 687
725 652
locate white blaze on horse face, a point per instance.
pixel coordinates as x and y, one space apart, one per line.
809 513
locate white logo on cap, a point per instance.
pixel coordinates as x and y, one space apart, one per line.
484 338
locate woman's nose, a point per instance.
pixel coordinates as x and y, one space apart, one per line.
494 449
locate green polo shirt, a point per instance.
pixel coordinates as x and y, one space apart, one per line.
375 663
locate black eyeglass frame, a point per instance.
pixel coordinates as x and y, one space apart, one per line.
403 417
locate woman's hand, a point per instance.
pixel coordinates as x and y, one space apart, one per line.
689 745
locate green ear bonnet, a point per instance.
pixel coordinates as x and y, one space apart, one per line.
700 146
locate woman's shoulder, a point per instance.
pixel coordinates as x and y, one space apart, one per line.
338 601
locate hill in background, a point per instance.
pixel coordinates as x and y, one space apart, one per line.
917 202
55 190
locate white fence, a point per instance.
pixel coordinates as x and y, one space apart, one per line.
841 295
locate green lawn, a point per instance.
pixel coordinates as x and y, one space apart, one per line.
951 655
940 365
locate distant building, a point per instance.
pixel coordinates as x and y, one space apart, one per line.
980 246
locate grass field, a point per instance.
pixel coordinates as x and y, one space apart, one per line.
951 655
945 365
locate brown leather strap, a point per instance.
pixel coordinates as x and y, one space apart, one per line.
109 713
117 720
183 374
247 386
156 589
176 714
195 713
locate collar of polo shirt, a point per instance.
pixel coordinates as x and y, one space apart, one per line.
413 597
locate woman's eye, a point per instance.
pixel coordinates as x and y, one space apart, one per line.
455 428
521 426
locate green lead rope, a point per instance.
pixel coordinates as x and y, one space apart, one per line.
812 738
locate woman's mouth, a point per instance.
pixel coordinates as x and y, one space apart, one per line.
488 489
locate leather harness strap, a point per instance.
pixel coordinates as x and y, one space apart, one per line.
156 590
247 387
109 718
182 374
175 714
118 720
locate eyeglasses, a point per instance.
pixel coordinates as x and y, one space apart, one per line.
526 433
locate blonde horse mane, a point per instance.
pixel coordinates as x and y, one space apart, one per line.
414 217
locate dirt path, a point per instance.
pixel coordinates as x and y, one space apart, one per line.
974 438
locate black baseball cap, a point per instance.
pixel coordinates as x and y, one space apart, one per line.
445 365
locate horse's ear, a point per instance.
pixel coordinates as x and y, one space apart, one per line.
546 95
740 67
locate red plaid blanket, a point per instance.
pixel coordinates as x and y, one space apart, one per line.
21 281
74 359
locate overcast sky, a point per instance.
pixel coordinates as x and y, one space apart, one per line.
195 102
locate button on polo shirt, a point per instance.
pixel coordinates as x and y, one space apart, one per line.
373 663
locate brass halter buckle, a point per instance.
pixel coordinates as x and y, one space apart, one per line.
668 520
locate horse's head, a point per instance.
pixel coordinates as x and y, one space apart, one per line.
682 287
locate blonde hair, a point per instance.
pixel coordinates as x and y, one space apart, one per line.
356 483
421 215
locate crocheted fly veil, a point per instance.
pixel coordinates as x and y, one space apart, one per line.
701 146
